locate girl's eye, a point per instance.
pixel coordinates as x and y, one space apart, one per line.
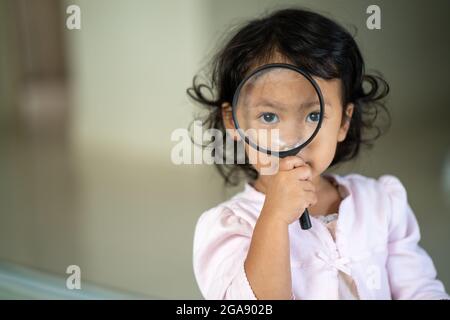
313 116
269 118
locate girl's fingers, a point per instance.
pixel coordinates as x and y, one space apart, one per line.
308 186
290 163
302 173
313 198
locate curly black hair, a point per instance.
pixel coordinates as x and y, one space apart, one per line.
311 41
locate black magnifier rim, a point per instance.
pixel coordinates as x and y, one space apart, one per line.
291 152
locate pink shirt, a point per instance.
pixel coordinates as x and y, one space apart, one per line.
376 245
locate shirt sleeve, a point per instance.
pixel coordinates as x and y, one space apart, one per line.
412 274
221 243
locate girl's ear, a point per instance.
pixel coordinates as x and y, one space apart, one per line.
345 124
227 118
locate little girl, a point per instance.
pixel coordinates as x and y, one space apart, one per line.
363 243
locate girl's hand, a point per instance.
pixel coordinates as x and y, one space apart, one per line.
290 191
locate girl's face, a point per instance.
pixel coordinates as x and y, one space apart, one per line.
319 153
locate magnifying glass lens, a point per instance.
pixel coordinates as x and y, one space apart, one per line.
277 109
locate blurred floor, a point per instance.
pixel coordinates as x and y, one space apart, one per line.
18 282
127 223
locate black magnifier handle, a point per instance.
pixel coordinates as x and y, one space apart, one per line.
305 221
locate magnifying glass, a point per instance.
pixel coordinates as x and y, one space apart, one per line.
278 109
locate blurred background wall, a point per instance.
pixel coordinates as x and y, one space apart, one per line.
86 117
